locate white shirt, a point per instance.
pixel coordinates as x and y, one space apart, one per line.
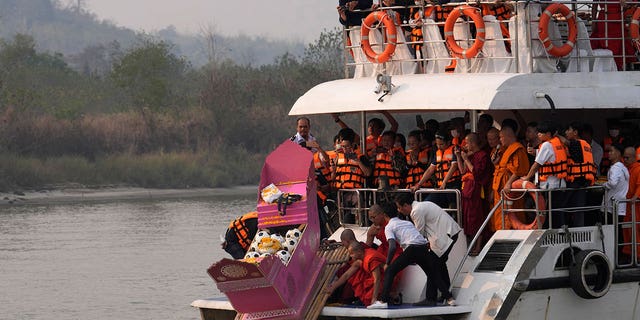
617 186
546 154
403 232
435 224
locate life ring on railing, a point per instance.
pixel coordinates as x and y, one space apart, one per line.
378 16
543 29
540 205
634 29
591 286
476 15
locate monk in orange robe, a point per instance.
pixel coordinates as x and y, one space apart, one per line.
513 163
364 275
629 159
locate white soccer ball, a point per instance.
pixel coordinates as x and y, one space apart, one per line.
253 246
251 254
278 237
284 256
290 244
294 234
266 254
260 235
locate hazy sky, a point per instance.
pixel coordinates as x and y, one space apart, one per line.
285 19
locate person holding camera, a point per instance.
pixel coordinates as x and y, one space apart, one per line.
350 169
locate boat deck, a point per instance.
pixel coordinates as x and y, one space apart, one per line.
402 311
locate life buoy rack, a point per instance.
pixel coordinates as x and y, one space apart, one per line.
591 286
540 205
390 26
476 15
634 28
543 30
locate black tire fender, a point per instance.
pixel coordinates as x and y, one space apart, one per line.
584 282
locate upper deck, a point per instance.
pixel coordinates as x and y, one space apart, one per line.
512 69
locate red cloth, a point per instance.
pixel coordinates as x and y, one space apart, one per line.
634 189
611 29
474 194
362 281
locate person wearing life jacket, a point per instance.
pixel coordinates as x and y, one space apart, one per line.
551 166
239 235
581 171
502 12
418 160
385 163
612 137
445 170
375 127
350 169
608 31
586 134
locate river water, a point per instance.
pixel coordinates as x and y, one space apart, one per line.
128 260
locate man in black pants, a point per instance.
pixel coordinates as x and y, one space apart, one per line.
415 250
441 230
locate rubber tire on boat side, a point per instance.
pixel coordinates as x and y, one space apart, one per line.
603 277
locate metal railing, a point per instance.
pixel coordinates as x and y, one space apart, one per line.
632 227
522 15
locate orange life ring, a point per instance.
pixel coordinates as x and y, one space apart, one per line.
378 16
634 28
476 15
543 30
540 205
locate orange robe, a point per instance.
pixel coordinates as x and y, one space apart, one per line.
362 281
634 189
514 160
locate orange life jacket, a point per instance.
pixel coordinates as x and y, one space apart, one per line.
442 13
318 165
557 168
384 167
348 173
416 33
372 143
638 154
443 163
416 171
239 227
586 169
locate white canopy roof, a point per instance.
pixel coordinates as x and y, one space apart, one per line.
478 91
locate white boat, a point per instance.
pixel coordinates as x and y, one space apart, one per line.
569 273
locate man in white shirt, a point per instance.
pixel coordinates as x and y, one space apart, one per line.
415 250
617 184
551 167
303 136
441 230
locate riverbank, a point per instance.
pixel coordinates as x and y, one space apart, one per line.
75 195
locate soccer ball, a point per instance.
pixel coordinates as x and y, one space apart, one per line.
278 237
290 244
253 247
294 234
284 256
251 254
260 235
266 254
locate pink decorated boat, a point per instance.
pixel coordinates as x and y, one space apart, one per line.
283 288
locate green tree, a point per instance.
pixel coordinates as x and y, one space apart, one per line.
151 75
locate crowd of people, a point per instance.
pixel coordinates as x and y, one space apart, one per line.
484 165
